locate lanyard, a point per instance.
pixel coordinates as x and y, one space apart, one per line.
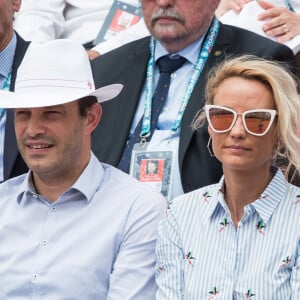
289 5
5 87
198 68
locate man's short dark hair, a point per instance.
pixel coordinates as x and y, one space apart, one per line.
85 103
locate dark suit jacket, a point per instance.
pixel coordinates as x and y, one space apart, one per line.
127 65
13 162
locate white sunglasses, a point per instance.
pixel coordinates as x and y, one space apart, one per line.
256 121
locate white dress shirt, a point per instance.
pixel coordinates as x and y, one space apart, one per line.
80 20
43 20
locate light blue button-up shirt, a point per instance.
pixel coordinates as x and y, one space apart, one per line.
95 242
201 255
6 62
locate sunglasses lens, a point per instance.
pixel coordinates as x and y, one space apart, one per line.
220 119
258 122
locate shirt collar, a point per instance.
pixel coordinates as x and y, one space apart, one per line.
190 53
212 197
265 205
275 192
91 178
7 56
83 184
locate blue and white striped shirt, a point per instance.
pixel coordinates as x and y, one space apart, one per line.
201 255
6 59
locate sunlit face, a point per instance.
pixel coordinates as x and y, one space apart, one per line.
237 149
7 10
178 23
55 141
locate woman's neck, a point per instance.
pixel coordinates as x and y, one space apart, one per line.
243 188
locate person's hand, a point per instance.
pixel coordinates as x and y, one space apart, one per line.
226 5
92 54
281 23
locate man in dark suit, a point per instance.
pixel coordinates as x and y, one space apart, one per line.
181 27
12 51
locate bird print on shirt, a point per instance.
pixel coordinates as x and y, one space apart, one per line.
213 293
260 226
206 196
189 257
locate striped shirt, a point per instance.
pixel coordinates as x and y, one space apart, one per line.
201 255
6 59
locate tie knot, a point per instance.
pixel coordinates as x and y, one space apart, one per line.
166 64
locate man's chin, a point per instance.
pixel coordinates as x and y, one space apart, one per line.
168 35
39 166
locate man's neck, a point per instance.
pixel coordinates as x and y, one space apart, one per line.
52 186
5 40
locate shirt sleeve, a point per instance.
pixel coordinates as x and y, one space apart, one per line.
169 260
295 277
40 21
132 276
134 32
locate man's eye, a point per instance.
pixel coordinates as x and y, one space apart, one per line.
53 112
23 113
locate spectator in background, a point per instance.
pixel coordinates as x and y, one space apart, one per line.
239 238
179 28
12 50
44 20
226 5
72 227
133 33
281 17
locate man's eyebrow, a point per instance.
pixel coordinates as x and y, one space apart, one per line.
53 107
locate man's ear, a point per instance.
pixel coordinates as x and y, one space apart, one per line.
94 114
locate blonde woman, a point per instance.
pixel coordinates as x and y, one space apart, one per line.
239 238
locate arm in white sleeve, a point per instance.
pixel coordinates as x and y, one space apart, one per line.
132 276
40 20
134 32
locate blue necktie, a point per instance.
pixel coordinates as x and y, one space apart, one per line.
167 66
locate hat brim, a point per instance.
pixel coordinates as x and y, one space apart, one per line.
59 96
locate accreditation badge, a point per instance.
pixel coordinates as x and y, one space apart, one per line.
153 168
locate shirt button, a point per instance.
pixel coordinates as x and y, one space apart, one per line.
34 276
53 208
45 242
173 75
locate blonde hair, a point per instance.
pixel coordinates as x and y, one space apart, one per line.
283 87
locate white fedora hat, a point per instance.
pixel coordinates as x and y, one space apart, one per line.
52 73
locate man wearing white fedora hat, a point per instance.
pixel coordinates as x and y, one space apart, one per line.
72 227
